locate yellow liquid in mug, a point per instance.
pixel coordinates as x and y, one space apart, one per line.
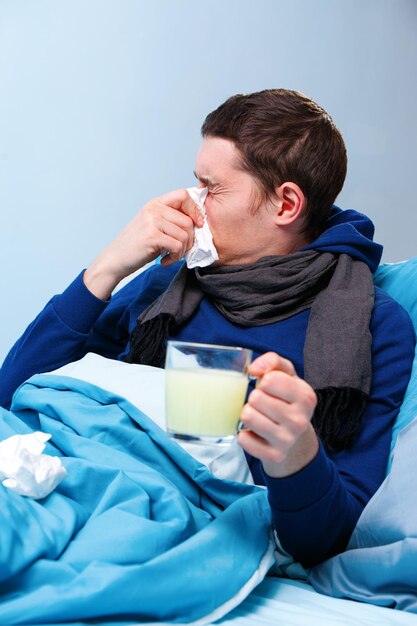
204 402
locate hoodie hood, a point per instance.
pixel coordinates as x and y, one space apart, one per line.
349 232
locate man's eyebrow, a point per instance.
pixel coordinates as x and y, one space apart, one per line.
204 179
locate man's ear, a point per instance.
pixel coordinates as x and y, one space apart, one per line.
290 203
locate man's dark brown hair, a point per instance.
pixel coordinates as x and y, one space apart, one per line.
283 136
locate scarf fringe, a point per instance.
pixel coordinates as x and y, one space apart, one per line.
148 341
338 416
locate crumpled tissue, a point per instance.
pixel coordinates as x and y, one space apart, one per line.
203 251
25 470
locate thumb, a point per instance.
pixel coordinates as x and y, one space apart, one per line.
268 362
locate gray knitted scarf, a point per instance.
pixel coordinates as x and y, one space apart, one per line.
338 289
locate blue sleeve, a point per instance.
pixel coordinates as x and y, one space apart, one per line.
316 509
72 324
55 337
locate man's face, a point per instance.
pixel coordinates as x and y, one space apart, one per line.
243 228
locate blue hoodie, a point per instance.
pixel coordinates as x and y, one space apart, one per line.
316 509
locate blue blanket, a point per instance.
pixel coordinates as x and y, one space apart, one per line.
137 531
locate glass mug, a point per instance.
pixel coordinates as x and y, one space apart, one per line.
205 390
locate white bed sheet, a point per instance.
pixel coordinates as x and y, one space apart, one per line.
277 602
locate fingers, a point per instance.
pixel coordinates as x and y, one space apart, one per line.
271 416
181 201
178 216
254 419
277 384
260 448
277 415
175 235
171 250
165 223
181 237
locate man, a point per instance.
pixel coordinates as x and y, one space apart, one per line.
293 282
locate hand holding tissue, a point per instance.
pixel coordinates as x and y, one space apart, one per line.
25 470
203 252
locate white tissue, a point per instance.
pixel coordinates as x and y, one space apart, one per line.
202 252
25 470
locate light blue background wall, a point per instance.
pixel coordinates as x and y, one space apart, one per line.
101 103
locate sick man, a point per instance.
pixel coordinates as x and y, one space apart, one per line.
293 282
